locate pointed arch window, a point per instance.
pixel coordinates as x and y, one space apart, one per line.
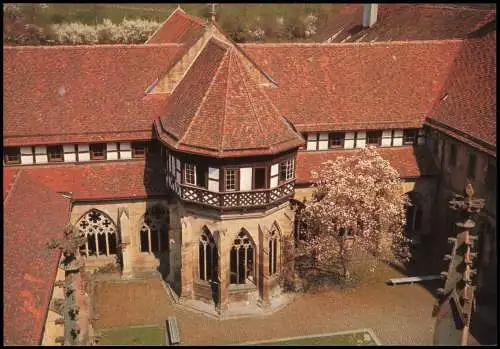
154 230
242 259
208 256
101 234
273 251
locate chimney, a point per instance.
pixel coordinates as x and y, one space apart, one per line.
369 15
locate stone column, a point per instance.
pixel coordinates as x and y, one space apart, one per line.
124 224
263 268
186 260
222 271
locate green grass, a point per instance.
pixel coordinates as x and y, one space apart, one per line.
349 339
150 335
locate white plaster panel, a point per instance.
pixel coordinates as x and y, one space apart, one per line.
26 155
245 179
311 141
125 150
360 139
274 182
397 142
274 169
323 141
83 152
41 154
178 177
111 151
398 133
386 138
213 185
213 173
69 153
178 164
348 143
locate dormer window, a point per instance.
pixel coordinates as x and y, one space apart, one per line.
138 149
98 151
374 138
409 136
55 153
336 140
12 155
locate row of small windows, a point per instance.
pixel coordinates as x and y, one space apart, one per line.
198 175
336 140
55 153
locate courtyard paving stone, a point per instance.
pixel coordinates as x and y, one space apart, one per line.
398 315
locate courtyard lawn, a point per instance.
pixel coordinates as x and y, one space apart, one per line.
143 335
348 339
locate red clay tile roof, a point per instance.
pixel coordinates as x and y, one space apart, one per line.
218 110
179 28
470 105
33 214
8 180
400 22
128 179
356 86
81 93
410 162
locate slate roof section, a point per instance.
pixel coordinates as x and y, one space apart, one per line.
468 98
33 214
57 94
128 179
218 110
410 162
324 87
178 28
401 22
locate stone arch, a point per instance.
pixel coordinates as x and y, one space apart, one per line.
207 256
274 247
101 233
153 230
242 258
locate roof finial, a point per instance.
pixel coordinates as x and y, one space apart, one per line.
213 12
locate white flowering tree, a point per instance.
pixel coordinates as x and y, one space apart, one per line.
358 206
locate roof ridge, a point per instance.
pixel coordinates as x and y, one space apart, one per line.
17 175
375 43
54 47
243 77
194 19
209 88
223 119
439 6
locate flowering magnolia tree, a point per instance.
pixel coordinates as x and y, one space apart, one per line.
358 206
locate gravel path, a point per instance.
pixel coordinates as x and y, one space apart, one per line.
399 315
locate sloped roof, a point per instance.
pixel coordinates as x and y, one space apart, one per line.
33 214
356 86
468 98
400 22
100 180
410 162
178 28
54 94
218 110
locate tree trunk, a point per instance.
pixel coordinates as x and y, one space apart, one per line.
344 258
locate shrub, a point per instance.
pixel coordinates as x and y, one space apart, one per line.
74 33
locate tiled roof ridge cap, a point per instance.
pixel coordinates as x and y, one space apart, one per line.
12 186
97 46
399 42
180 141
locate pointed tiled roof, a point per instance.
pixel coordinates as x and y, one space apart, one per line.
179 28
218 110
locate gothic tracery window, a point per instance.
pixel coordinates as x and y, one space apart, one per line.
242 259
273 251
208 256
100 232
154 230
